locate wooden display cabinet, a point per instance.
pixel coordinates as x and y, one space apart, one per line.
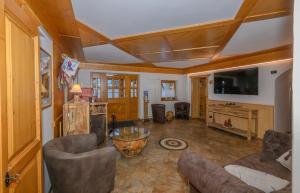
76 118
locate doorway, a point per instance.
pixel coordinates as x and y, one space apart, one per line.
199 95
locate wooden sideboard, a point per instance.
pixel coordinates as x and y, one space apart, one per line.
234 119
265 115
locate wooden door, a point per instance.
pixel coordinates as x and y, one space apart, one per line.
195 107
203 99
21 156
133 93
199 98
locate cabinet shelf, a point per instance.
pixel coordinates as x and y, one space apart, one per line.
233 130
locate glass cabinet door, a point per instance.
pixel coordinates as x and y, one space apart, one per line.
96 85
133 88
115 88
109 88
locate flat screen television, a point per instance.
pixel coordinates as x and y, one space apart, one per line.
243 82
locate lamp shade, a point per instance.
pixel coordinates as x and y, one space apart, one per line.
76 89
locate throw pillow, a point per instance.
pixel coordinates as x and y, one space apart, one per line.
286 160
258 179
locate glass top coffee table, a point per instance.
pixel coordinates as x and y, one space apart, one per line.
130 141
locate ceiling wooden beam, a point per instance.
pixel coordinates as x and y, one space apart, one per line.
90 37
269 9
74 45
267 16
280 53
60 16
130 68
240 16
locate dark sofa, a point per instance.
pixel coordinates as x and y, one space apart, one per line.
75 164
207 177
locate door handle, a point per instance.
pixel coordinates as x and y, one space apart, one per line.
9 179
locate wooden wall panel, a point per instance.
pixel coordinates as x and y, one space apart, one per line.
58 48
265 115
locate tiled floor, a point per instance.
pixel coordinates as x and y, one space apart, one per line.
155 169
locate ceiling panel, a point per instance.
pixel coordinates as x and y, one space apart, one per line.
263 7
260 35
210 36
182 64
108 54
115 18
178 55
144 45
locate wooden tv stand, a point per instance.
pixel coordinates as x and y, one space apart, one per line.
234 119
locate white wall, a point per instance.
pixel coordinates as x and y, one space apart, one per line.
266 85
147 81
47 113
296 100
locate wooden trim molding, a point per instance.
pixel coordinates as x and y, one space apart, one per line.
128 68
280 53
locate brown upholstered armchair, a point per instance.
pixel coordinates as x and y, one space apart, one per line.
158 113
182 110
75 164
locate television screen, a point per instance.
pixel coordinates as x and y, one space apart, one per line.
244 82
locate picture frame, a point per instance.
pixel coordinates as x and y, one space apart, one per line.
168 90
46 78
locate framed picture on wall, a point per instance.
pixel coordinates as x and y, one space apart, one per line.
46 78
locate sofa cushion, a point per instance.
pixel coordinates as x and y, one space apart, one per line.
261 180
271 167
209 177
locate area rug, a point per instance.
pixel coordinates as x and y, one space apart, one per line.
171 143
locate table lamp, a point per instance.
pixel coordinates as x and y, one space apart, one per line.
76 90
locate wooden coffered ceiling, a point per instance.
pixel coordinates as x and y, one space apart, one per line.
181 44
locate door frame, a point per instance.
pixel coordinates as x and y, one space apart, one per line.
192 98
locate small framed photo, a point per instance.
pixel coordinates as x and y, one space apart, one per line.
46 78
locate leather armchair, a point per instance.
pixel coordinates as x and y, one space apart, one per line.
182 110
158 113
75 164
